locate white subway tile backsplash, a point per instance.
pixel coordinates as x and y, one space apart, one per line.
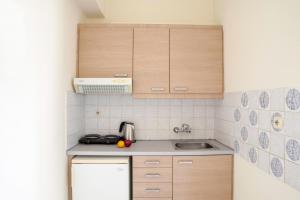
75 118
91 100
91 124
103 100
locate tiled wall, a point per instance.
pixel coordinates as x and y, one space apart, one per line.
75 118
247 122
153 118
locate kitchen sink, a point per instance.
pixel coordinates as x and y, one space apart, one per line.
193 146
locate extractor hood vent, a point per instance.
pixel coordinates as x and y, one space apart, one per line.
103 85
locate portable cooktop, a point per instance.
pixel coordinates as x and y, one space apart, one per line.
99 139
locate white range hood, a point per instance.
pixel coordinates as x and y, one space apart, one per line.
103 85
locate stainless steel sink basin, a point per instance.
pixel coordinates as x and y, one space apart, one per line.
193 145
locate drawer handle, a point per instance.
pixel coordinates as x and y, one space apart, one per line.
181 89
121 75
152 190
157 89
152 162
184 162
152 175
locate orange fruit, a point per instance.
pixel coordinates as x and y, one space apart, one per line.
121 144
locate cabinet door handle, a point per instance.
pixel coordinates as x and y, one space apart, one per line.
152 190
121 75
157 89
184 162
152 162
183 89
152 175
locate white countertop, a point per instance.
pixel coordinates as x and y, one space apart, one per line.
150 147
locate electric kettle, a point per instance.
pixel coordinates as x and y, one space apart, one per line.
127 130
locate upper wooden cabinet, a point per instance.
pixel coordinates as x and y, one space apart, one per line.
165 61
196 60
105 51
151 60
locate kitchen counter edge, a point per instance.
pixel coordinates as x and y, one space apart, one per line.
146 148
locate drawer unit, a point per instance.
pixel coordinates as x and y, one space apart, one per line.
152 175
152 161
152 190
152 198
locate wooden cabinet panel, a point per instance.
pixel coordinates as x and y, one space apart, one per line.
152 161
152 175
196 60
202 177
151 60
152 190
152 198
105 51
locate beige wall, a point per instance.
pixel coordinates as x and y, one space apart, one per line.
158 11
37 57
250 183
262 43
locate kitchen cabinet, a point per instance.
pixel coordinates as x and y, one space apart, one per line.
105 51
152 177
202 177
164 61
196 61
151 60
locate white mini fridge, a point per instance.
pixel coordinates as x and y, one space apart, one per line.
100 178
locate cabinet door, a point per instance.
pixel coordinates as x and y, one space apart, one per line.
202 177
196 60
151 60
105 51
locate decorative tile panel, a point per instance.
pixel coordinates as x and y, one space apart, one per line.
266 130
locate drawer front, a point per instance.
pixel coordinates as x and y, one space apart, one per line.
152 161
152 175
152 198
152 190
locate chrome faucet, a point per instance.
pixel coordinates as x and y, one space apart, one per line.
185 128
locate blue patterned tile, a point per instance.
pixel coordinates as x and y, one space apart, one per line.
277 167
264 140
244 133
244 100
253 118
292 99
264 100
292 148
237 115
253 157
